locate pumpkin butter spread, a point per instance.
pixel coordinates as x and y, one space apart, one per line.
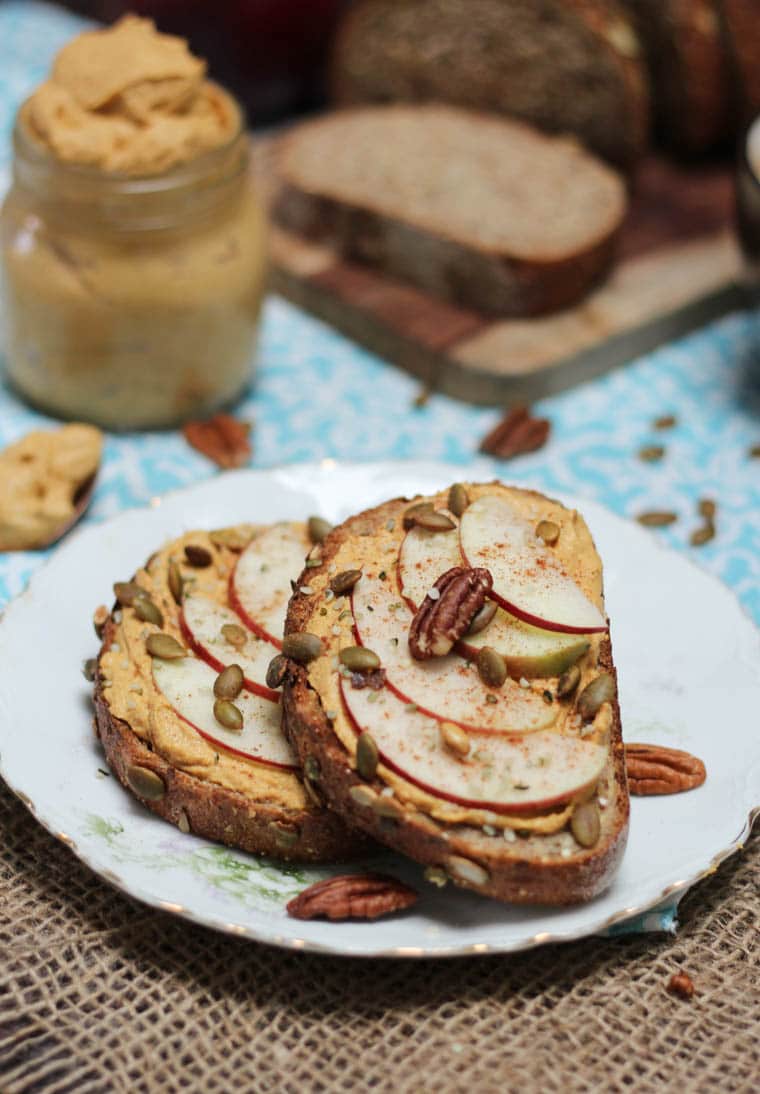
375 550
129 100
132 695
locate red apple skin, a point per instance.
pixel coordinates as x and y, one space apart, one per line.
251 624
235 751
521 809
535 620
207 656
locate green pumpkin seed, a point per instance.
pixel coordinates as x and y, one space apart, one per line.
234 538
228 715
285 837
147 611
411 514
234 634
548 531
458 499
197 556
276 671
359 659
90 668
434 521
319 529
491 666
176 582
164 646
454 738
145 783
483 617
302 647
436 876
568 682
367 756
126 591
585 824
344 582
311 768
600 690
229 682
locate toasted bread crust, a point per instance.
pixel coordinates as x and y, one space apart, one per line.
510 876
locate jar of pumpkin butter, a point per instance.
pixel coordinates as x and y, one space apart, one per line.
132 243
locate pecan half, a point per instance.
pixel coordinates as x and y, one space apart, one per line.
518 432
682 985
442 619
224 439
352 896
654 769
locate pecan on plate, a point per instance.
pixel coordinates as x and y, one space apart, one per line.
352 896
224 439
447 611
654 769
517 433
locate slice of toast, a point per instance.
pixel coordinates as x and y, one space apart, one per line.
486 212
221 598
515 786
565 66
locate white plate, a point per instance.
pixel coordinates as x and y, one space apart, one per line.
689 665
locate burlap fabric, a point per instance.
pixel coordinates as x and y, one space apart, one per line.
98 993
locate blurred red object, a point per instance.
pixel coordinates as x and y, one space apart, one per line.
270 53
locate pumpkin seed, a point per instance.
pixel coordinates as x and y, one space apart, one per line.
90 668
471 872
164 646
229 682
491 666
344 582
234 634
434 521
99 619
311 768
702 535
276 670
302 647
707 508
359 659
454 738
228 715
285 837
367 756
651 453
548 531
568 682
176 582
147 611
600 690
183 822
411 514
234 538
126 591
319 529
657 518
197 556
483 617
458 499
585 824
436 876
145 783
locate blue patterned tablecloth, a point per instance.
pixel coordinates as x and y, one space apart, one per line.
317 395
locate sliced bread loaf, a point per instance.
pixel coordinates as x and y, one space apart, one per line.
483 211
741 26
565 66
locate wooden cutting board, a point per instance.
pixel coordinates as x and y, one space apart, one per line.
677 269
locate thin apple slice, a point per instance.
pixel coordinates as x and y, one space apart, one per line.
529 581
502 774
260 583
529 651
446 687
188 685
423 557
202 620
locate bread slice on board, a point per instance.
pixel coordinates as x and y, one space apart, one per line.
512 785
155 715
741 27
483 211
565 66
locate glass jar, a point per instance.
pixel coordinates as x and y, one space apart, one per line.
131 302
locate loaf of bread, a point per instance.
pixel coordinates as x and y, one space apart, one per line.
565 66
741 27
483 211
